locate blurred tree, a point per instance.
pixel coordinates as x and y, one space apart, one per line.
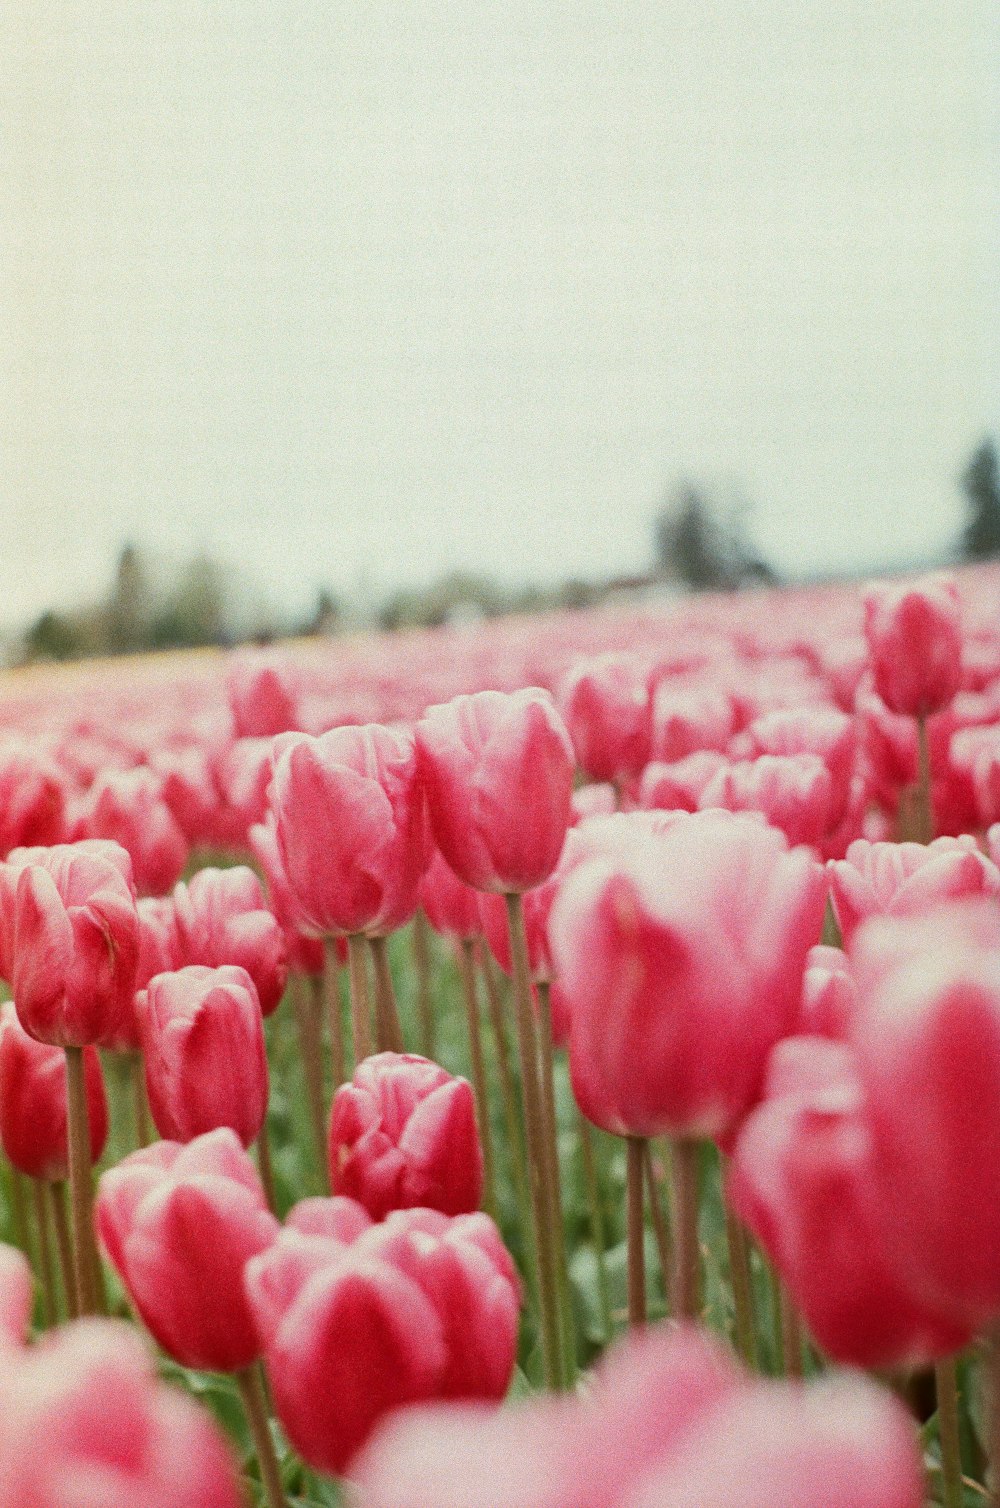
981 482
51 637
128 611
709 550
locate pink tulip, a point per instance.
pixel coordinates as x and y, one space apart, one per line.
452 907
498 770
690 716
69 914
223 918
354 1326
263 695
91 1427
829 994
33 1101
824 732
793 792
802 1180
682 962
403 1133
17 1292
914 635
32 796
305 952
127 807
904 879
180 1223
203 1047
605 704
351 827
679 786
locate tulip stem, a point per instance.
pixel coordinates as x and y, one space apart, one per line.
81 1182
64 1246
635 1149
534 1126
422 964
467 967
660 1228
548 1074
361 1008
308 1007
266 1167
992 1400
511 1120
331 993
741 1283
19 1211
44 1254
252 1397
685 1300
140 1104
789 1330
946 1387
387 1023
597 1228
924 815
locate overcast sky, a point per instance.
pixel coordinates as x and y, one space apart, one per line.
382 287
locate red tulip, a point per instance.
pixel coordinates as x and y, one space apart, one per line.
33 1101
223 918
829 994
91 1427
351 827
604 702
914 635
203 1048
263 695
824 732
32 796
498 770
682 962
70 915
403 1133
928 1046
127 807
802 1181
416 1308
180 1223
904 879
305 953
452 907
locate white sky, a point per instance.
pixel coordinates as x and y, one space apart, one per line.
377 288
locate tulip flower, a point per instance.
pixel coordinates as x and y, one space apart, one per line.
824 732
91 1427
605 704
403 1133
690 717
32 795
793 792
203 1047
16 1294
679 786
222 918
452 907
353 1326
128 807
914 635
180 1224
905 879
33 1102
829 994
263 695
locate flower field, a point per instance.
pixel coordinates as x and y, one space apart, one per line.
549 1063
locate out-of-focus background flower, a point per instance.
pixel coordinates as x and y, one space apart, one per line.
319 314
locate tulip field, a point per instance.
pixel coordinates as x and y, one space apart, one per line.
547 1063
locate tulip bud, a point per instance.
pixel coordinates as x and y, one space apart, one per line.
403 1133
605 704
679 786
203 1046
263 696
452 907
829 994
180 1223
351 827
905 879
793 792
223 918
498 770
914 635
127 807
32 796
690 716
33 1101
70 914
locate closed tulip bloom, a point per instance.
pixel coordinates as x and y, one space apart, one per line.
94 1428
127 807
825 732
70 914
498 769
844 1442
452 907
190 790
679 786
305 952
905 879
605 704
682 962
203 1047
180 1223
403 1133
33 1101
914 634
928 1052
159 953
793 792
829 994
802 1180
419 1307
690 716
263 695
223 918
17 1293
351 827
32 796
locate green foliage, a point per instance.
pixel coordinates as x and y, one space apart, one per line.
981 483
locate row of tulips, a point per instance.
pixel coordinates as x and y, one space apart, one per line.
740 939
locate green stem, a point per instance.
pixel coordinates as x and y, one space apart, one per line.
361 1008
335 1021
308 1008
422 965
387 1024
686 1289
81 1182
946 1386
252 1397
635 1148
597 1230
64 1246
660 1228
924 816
44 1253
548 1074
467 969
